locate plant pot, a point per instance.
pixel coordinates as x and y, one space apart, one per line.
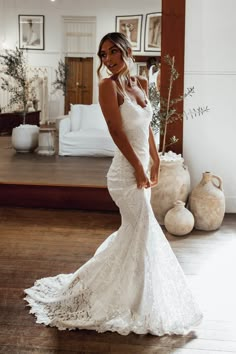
207 203
173 184
25 137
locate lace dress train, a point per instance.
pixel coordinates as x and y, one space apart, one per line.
134 282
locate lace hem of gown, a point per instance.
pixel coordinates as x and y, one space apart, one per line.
122 322
115 291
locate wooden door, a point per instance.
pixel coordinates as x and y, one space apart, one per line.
80 81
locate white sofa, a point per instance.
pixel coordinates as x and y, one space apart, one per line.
84 132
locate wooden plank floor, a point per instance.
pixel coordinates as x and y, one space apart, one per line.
35 243
32 180
31 168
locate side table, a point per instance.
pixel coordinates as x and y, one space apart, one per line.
46 145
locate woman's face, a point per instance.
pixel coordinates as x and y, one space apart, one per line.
111 57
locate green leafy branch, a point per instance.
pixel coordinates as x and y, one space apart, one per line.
62 74
14 78
168 113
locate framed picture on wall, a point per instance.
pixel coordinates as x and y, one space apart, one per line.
142 69
131 26
31 32
152 40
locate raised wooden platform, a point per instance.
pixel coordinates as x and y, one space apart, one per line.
32 180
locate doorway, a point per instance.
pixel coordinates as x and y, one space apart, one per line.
80 81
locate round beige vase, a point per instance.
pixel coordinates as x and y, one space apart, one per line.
207 203
173 184
179 221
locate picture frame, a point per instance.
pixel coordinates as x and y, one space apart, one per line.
141 69
131 26
152 37
31 32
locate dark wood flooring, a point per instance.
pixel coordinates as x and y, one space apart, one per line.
35 243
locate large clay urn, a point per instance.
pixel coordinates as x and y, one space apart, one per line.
173 185
207 203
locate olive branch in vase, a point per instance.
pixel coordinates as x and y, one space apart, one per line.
168 113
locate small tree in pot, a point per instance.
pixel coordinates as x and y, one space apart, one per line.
168 113
174 180
15 80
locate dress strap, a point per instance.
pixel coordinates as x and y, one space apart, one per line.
144 92
140 86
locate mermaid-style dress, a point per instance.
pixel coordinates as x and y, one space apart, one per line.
134 282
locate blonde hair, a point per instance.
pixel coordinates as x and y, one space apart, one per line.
122 43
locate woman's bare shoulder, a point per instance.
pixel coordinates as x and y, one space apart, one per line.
107 91
107 84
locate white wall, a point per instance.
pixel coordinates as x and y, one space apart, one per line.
210 66
104 10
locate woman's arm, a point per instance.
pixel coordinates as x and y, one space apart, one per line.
155 168
152 147
109 105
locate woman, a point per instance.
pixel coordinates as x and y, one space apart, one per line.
133 283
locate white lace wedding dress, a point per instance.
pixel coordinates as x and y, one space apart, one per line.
134 282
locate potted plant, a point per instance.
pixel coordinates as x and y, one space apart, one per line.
15 80
174 180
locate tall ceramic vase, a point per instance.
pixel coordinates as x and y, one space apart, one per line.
173 185
207 203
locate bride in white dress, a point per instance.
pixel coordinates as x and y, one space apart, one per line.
134 282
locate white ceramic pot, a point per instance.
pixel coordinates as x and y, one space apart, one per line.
179 221
174 184
207 203
25 137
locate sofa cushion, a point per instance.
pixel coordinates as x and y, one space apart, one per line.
92 142
92 117
75 117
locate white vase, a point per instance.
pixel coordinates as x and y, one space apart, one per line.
25 137
173 184
179 221
46 141
207 203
